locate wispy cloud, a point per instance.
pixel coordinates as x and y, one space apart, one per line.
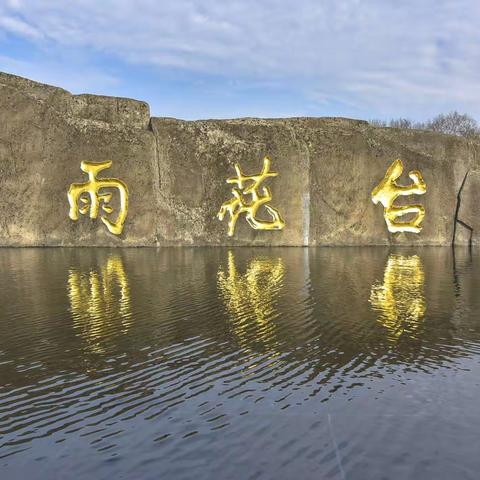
18 26
363 58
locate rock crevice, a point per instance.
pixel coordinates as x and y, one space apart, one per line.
457 221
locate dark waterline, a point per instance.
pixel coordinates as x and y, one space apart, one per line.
279 363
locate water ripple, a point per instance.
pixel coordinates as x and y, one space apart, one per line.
256 363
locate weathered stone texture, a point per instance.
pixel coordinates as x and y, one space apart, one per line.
196 158
44 135
176 173
348 159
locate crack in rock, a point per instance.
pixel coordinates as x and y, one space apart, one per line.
457 210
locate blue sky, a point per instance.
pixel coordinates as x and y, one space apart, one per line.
268 58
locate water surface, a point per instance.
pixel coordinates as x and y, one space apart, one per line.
341 363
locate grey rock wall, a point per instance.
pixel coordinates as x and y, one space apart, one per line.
176 173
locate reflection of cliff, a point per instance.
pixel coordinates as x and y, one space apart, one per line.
400 299
312 306
100 301
250 298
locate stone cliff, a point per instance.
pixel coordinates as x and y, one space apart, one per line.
176 173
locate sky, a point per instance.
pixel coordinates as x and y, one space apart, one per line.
196 59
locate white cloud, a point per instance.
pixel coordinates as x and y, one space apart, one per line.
412 58
18 26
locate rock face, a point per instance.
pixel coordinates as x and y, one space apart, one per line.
176 174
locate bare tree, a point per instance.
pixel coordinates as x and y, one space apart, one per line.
401 123
452 123
376 122
394 123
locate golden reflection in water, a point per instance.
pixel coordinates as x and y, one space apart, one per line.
400 300
100 302
250 299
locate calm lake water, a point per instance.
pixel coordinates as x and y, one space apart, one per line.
281 363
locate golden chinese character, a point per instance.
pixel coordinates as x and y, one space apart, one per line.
400 299
239 205
92 198
387 191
